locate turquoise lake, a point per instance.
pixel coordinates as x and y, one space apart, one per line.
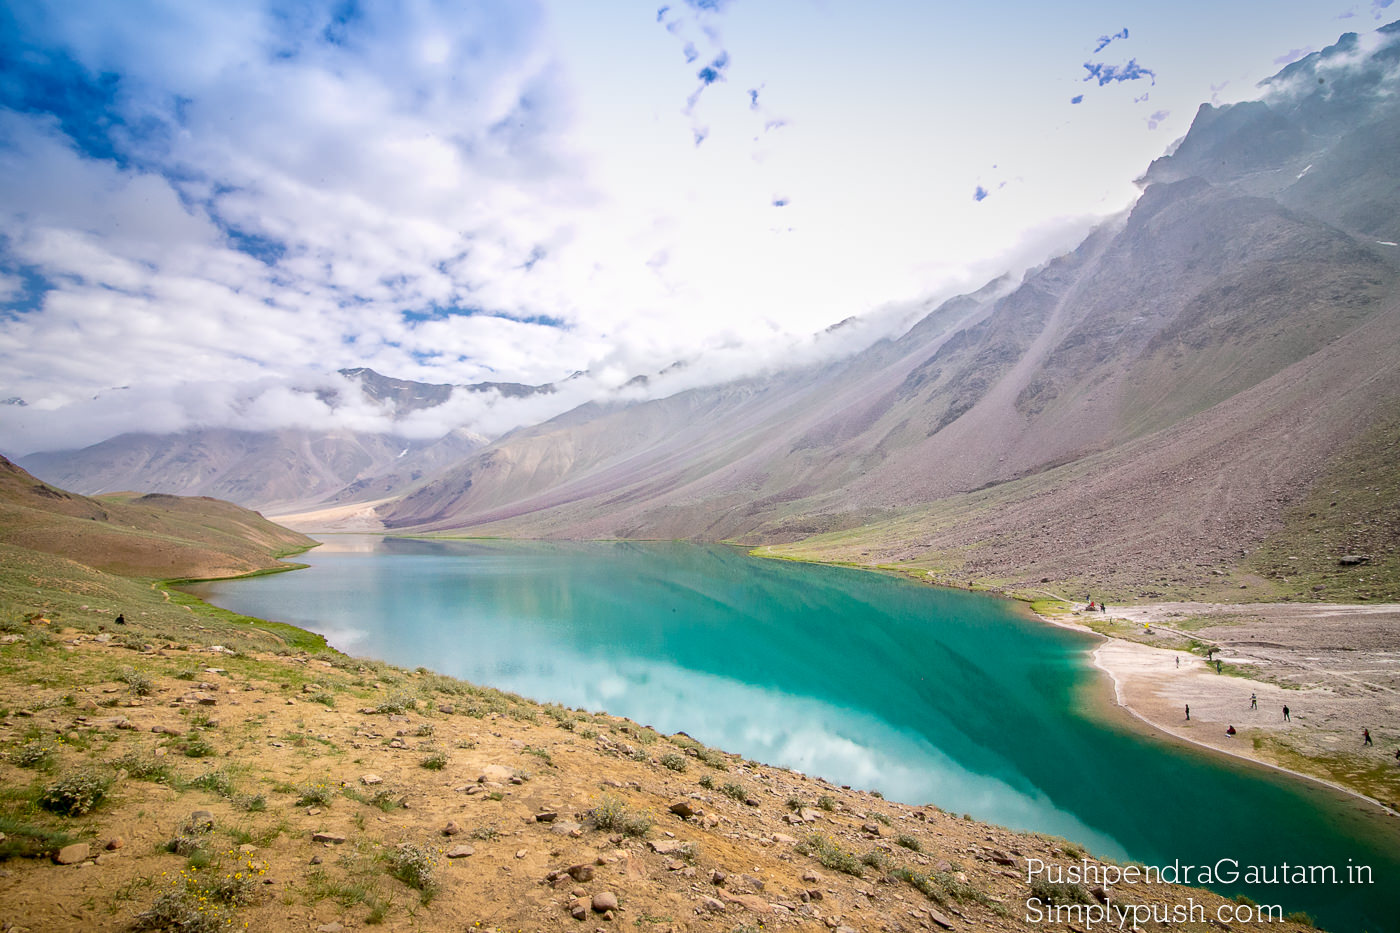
928 695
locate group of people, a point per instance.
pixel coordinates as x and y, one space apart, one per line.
1287 717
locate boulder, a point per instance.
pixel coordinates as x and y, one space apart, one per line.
685 809
495 774
666 846
72 855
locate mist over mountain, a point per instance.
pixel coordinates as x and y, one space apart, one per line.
1151 402
291 467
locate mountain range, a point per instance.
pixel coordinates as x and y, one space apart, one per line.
1160 410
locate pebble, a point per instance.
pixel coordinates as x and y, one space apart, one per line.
604 901
460 851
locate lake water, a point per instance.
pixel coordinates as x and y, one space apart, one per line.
930 696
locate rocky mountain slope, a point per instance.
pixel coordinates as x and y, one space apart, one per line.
1149 407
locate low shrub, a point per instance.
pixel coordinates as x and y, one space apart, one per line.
613 813
76 794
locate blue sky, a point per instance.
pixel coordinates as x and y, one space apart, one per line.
206 203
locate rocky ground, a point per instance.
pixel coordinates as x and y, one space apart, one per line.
190 787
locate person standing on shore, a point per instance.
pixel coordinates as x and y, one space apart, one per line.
1253 701
1365 736
1286 717
1188 712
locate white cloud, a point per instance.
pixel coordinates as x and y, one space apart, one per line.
265 190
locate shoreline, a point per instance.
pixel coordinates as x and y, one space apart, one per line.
1147 681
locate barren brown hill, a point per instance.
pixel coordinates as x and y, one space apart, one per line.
153 536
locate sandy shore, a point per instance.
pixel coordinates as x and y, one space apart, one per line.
1293 656
356 517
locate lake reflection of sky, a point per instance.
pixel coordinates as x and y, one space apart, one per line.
930 696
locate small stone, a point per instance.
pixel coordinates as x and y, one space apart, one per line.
712 905
751 801
451 829
371 779
333 839
200 820
872 828
604 901
332 927
546 816
447 708
578 910
461 851
685 809
666 846
811 877
115 843
521 853
582 873
939 919
72 855
673 864
717 877
316 860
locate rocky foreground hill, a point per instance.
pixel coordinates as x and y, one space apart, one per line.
158 783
